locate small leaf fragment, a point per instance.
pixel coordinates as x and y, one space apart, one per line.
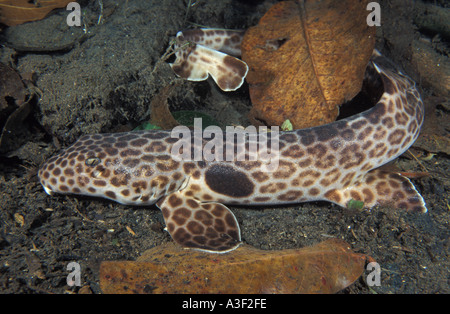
287 126
355 204
186 117
19 219
146 126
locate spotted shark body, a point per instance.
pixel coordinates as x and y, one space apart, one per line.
335 162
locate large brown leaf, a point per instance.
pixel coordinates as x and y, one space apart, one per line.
324 268
15 12
305 59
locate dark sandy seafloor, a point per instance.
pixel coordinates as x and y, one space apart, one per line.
102 78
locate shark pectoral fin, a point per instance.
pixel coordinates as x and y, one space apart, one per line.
204 226
198 62
381 188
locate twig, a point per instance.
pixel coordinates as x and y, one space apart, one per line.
423 167
187 11
100 3
169 51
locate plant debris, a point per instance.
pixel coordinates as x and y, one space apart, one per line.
14 105
304 61
15 12
327 267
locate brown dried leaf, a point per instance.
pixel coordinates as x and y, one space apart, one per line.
305 59
15 12
327 267
11 87
14 106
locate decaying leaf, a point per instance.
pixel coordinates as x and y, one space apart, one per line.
15 12
305 59
12 90
14 106
327 267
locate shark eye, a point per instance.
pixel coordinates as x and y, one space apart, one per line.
92 162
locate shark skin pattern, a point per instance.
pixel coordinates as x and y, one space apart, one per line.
201 53
335 162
